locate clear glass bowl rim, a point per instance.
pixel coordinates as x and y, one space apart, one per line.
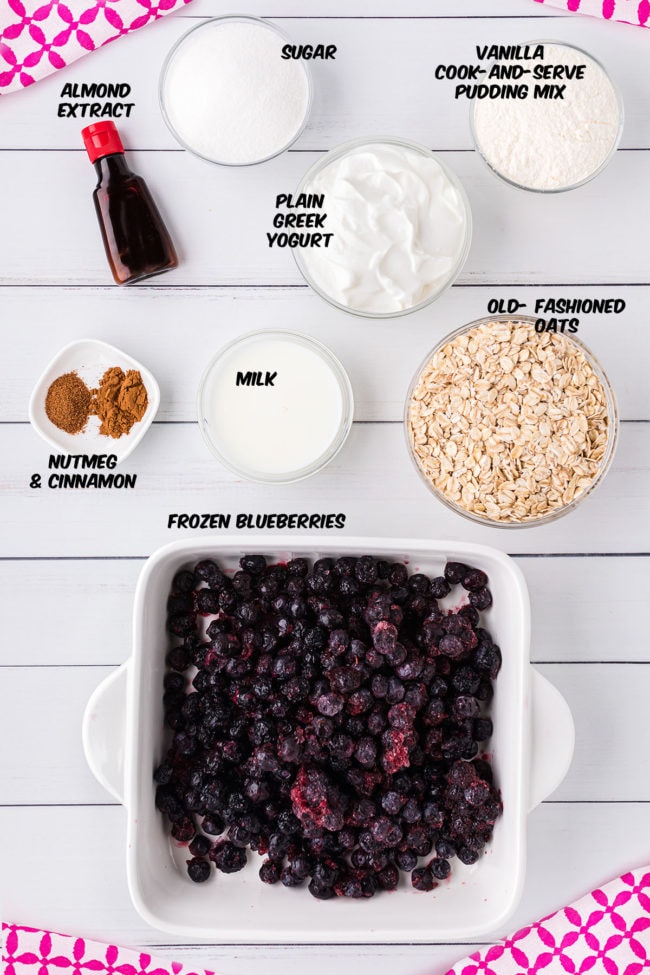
612 438
347 398
608 158
231 18
342 150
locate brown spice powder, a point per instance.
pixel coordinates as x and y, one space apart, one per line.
68 403
120 401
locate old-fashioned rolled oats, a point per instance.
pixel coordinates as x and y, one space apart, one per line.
509 424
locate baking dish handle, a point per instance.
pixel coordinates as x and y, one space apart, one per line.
552 739
103 732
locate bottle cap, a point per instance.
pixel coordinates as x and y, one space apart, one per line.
101 139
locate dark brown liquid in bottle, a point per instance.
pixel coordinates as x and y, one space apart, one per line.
136 240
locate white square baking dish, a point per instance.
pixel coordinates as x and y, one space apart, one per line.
123 737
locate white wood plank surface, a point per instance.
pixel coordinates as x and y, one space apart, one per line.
360 93
383 495
69 559
381 357
46 764
583 609
573 847
591 235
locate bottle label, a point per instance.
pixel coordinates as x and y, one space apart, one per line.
96 100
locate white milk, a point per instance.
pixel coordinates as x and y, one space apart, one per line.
273 406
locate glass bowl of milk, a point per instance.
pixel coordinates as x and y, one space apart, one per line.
395 227
275 406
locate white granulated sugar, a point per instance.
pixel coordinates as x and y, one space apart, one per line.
230 97
544 144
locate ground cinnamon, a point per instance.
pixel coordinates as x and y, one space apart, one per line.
68 403
120 401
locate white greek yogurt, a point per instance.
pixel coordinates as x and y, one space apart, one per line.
275 406
400 224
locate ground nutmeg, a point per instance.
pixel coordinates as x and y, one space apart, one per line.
68 403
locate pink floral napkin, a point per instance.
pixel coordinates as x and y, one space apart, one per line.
635 12
28 951
38 37
608 931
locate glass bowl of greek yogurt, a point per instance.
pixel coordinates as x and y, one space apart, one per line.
396 227
557 130
275 406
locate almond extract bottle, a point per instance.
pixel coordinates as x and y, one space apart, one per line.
136 241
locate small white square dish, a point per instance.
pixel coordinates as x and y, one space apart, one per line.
124 741
90 359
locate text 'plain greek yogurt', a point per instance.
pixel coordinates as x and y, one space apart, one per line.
400 227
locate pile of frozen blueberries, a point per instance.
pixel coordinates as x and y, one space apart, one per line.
330 718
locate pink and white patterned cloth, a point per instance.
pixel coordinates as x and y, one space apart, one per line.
30 951
38 37
608 931
635 12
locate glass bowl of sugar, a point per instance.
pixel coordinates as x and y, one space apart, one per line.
556 129
230 95
275 406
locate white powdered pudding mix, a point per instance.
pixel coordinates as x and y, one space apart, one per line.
229 96
557 143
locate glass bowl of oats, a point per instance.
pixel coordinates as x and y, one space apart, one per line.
510 426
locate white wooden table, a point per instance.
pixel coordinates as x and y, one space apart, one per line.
69 559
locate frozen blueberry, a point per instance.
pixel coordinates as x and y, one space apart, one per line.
439 587
254 565
452 646
419 583
481 598
474 580
227 857
183 581
270 872
455 572
198 870
366 570
440 868
200 846
422 879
